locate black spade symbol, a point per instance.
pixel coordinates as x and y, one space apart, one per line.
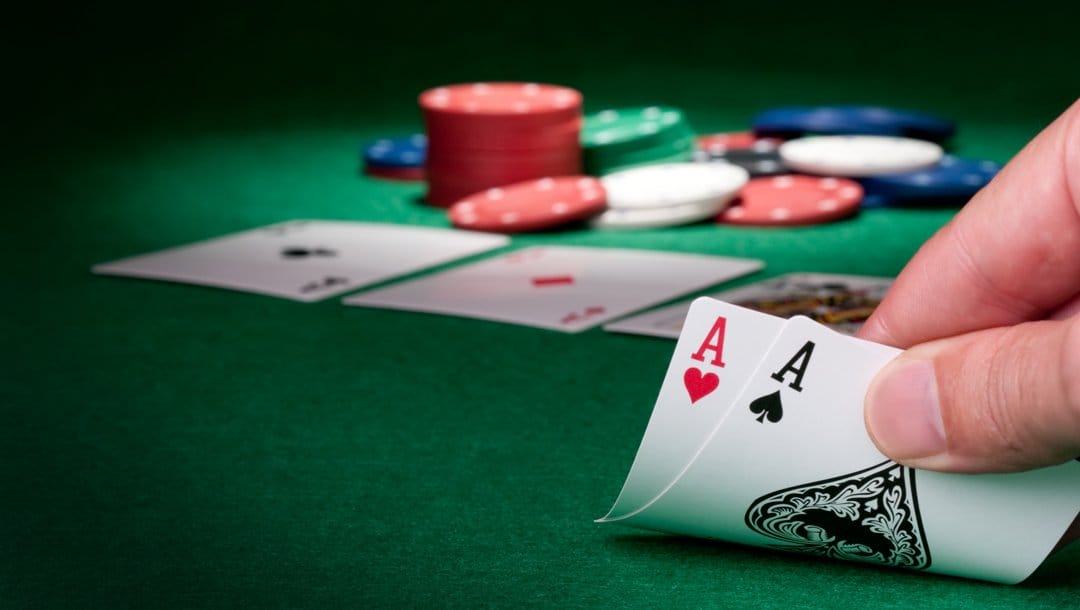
769 406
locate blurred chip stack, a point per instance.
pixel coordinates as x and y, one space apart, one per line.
484 135
517 157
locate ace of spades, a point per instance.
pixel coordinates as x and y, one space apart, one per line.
771 406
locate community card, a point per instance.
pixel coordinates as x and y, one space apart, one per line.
841 302
792 467
719 350
567 289
306 260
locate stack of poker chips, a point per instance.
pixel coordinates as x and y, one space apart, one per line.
668 194
396 158
511 156
619 138
485 135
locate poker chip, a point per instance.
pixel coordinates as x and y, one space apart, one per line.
793 200
534 205
643 127
856 156
762 162
645 218
396 158
755 163
513 103
673 184
723 143
952 181
791 122
485 135
758 156
408 151
618 138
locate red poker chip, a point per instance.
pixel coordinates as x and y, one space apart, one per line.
473 157
533 205
484 135
720 143
516 103
793 200
452 138
498 168
450 181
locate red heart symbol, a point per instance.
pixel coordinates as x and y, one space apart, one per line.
699 386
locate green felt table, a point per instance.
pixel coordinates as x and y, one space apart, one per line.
165 445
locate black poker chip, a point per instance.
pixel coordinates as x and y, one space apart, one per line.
759 161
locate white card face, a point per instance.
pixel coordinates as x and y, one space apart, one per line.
716 355
306 260
800 473
841 302
567 289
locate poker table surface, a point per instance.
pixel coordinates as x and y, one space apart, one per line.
181 446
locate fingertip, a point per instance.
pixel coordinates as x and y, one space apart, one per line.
903 413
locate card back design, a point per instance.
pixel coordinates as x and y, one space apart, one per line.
871 515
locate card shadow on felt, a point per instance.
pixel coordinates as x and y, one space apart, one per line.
688 547
1060 571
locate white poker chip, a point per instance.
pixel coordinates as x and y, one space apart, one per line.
670 216
857 156
673 184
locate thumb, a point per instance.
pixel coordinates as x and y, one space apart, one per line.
997 400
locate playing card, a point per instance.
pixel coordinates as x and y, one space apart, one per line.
715 356
841 302
792 467
567 289
306 260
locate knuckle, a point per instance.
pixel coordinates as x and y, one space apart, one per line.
1000 423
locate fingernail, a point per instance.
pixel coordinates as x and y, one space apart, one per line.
903 414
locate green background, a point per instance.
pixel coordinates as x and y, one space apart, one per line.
178 446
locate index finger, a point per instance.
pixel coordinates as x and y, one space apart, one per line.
1012 254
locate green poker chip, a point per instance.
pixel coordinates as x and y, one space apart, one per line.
621 137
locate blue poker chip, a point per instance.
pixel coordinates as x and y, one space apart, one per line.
793 122
407 152
953 181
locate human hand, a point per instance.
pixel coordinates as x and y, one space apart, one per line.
989 312
988 308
